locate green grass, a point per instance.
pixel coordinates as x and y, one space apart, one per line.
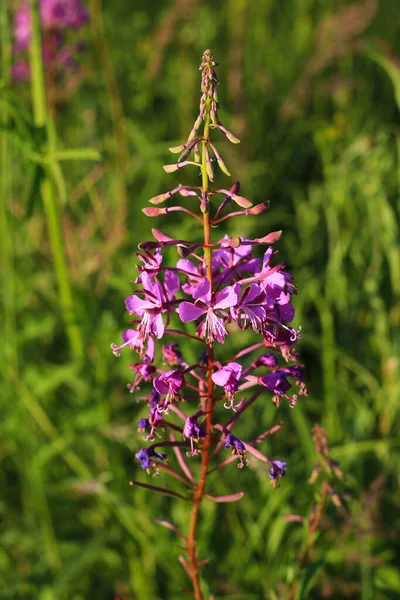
313 92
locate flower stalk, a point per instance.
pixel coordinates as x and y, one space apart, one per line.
214 283
199 494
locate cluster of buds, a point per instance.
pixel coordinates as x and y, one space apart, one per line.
60 56
223 287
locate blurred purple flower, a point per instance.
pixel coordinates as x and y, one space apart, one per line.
277 471
171 354
55 16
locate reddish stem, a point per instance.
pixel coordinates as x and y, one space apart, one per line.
200 489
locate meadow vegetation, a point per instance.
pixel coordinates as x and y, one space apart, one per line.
313 91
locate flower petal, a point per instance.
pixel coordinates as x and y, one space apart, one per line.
190 312
226 298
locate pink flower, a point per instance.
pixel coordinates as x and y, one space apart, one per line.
212 326
228 377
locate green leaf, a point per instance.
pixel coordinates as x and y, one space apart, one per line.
77 154
33 191
307 579
56 174
391 69
387 577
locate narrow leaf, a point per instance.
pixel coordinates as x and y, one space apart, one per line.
33 192
170 471
77 154
184 565
171 527
181 460
162 490
228 498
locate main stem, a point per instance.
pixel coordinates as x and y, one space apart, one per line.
199 493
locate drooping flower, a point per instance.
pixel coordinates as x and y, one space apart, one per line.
142 425
277 471
155 419
268 360
144 372
278 383
193 432
170 383
238 449
145 456
228 377
171 354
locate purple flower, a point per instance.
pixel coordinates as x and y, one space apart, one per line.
276 471
278 335
170 383
238 449
146 454
144 372
235 260
273 279
268 360
193 275
20 70
250 307
22 28
155 420
143 424
193 431
228 377
171 284
133 339
212 327
151 263
54 14
148 308
277 382
171 354
154 398
220 285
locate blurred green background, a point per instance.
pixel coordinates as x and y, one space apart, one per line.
312 88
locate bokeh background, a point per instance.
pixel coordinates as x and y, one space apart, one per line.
313 91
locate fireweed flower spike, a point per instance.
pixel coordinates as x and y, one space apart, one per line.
216 287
